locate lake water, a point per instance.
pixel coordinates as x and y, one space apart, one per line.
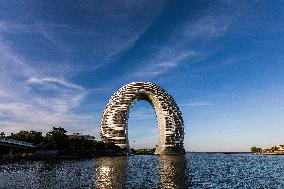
192 170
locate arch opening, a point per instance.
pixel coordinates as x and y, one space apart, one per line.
114 124
142 126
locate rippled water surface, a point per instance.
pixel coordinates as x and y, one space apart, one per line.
193 170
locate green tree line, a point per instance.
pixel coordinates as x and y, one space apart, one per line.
58 139
259 150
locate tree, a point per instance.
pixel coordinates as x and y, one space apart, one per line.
274 148
56 139
82 144
2 135
28 136
255 149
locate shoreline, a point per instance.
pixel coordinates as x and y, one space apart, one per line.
271 153
62 154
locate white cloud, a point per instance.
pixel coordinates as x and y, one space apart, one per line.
18 116
179 48
172 59
59 81
30 100
106 43
165 60
206 28
35 95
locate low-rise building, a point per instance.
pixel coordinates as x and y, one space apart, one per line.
280 147
81 136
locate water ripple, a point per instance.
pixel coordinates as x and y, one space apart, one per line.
193 170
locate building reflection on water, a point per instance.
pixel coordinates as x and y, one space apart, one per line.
169 171
173 172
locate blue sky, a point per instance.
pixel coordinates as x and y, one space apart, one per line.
222 61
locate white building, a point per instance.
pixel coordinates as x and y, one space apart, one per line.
114 121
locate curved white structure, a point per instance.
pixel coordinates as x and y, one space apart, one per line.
170 123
